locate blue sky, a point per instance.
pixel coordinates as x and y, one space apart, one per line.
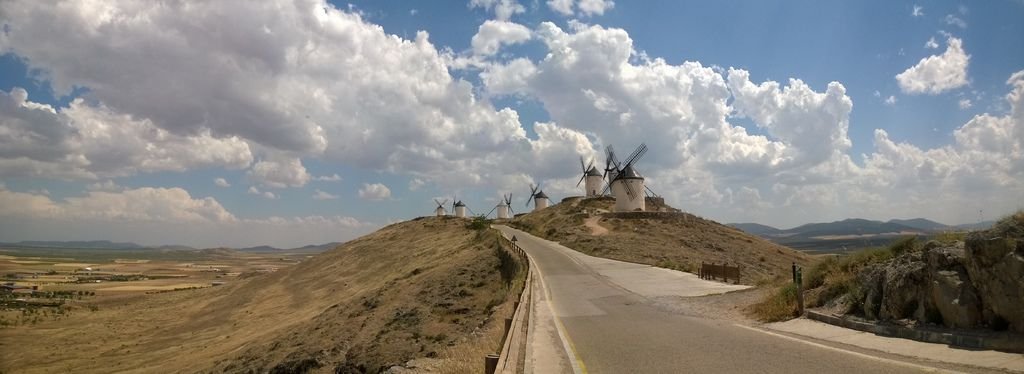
108 123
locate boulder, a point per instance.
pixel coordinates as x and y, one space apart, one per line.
995 265
951 294
905 280
870 280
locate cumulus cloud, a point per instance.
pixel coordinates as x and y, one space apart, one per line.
891 100
265 194
953 20
964 103
931 43
321 195
221 182
161 216
374 191
586 7
918 11
494 34
938 73
342 91
503 9
416 184
280 172
84 141
328 178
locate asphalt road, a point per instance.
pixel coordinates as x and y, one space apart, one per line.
615 328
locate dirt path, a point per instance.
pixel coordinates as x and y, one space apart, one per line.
595 228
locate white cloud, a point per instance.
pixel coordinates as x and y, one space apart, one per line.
160 216
412 12
964 103
265 194
938 73
88 142
321 195
918 11
416 184
891 100
279 172
108 186
877 94
374 191
503 9
586 7
955 21
328 178
563 7
931 43
592 7
221 182
493 34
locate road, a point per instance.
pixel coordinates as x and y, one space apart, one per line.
610 324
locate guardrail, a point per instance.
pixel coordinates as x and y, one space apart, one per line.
511 359
713 272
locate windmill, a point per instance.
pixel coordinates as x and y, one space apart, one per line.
537 196
504 207
592 177
439 211
611 167
459 208
627 185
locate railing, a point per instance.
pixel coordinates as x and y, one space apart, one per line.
511 358
714 271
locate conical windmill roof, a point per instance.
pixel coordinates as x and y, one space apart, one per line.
459 203
593 172
540 195
629 173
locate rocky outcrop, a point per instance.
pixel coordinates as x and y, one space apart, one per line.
946 284
995 266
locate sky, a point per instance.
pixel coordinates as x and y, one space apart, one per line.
290 122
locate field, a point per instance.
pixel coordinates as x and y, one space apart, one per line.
431 290
52 283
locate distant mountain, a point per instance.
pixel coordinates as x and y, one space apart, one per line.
983 225
756 229
90 244
312 248
851 226
921 224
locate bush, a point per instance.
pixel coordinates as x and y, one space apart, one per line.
780 305
904 245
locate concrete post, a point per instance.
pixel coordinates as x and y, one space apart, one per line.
508 329
490 363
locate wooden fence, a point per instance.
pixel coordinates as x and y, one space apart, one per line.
723 271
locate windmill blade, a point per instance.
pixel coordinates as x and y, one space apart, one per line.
470 211
582 165
606 188
492 211
633 157
612 157
454 199
584 176
590 165
651 191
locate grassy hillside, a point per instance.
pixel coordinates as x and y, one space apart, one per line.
673 240
429 288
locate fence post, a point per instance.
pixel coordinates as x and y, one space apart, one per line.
800 291
794 272
490 363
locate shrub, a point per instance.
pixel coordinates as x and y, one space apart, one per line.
780 305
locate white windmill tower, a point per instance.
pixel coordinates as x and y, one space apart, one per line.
628 185
459 209
592 178
539 199
504 207
440 212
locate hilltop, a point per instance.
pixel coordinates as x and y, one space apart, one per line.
429 288
669 238
852 233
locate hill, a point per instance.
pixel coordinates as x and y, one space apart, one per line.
667 239
757 229
922 224
850 226
428 288
92 244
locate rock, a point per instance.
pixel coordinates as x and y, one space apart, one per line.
951 296
905 279
995 266
870 280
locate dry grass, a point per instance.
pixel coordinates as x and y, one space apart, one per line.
778 305
429 288
677 241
